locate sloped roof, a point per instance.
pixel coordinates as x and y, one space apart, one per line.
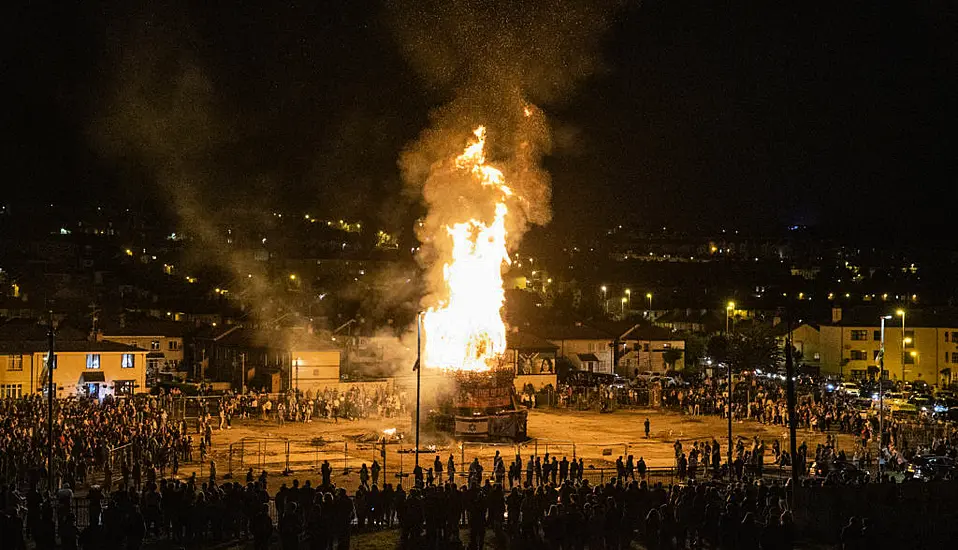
577 331
524 341
145 327
587 357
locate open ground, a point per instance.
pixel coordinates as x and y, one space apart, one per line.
597 438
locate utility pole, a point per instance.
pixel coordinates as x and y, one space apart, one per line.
881 398
51 388
418 378
790 401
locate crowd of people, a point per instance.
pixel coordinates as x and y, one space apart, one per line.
558 510
329 404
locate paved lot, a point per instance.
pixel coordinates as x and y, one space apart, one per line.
596 437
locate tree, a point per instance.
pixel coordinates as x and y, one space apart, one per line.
671 356
754 348
695 349
718 348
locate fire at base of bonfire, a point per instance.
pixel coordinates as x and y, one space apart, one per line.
466 332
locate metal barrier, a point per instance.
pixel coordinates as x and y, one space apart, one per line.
266 453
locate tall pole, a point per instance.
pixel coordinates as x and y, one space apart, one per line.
728 313
790 401
418 377
51 388
902 346
649 296
881 397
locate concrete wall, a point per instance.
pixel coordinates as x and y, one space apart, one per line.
314 370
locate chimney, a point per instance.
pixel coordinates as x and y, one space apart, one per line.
836 315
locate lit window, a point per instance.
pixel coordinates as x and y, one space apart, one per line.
93 360
155 345
15 362
128 361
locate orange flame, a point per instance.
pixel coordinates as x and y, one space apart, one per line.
466 331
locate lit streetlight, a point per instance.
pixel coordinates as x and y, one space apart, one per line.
729 308
628 294
624 300
649 296
605 301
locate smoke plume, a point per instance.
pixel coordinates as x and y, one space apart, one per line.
495 62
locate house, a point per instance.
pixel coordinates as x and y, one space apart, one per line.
271 359
807 341
164 341
918 345
585 347
689 320
532 358
83 367
647 348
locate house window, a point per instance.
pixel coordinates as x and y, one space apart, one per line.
817 356
93 360
909 359
155 345
174 345
128 361
876 335
15 362
859 335
954 357
11 391
124 387
954 337
858 355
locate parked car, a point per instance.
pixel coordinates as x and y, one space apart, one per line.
844 471
849 388
932 467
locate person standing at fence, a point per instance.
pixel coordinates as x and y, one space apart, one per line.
451 468
364 476
641 468
437 467
374 469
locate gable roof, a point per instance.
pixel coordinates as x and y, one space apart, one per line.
525 341
577 331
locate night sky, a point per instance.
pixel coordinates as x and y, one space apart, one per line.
701 114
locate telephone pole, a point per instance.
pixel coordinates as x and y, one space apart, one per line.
51 389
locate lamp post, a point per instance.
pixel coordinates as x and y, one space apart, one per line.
881 398
418 377
649 296
901 313
624 300
605 303
628 294
728 313
51 389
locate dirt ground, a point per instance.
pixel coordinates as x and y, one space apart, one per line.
598 438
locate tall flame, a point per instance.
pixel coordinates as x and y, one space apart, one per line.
466 331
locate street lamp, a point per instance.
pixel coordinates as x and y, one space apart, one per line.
624 300
901 313
628 294
881 398
605 302
729 308
649 296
